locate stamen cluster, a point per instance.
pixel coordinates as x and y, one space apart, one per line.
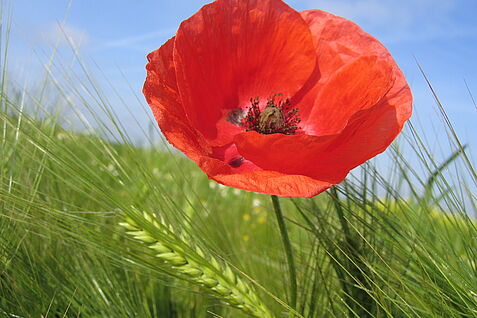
276 118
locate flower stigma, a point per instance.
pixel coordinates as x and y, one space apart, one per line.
276 118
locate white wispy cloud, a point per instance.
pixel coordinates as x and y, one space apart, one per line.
132 41
61 34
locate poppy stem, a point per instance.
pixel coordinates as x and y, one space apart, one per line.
288 251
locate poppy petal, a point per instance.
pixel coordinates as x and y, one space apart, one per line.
295 154
232 50
371 131
160 90
339 42
357 86
269 182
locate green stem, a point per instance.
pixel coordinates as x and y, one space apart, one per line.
288 251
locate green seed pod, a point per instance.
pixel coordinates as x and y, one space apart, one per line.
271 120
214 263
209 282
241 286
222 290
193 263
128 226
199 252
230 275
190 271
167 256
177 260
160 248
145 238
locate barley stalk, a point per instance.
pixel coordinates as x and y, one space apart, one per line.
193 265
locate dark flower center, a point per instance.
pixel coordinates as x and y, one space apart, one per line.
277 117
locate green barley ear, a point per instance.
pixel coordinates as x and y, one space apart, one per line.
191 263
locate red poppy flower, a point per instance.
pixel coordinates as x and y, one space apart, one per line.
268 99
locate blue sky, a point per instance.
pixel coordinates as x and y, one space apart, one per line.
117 35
